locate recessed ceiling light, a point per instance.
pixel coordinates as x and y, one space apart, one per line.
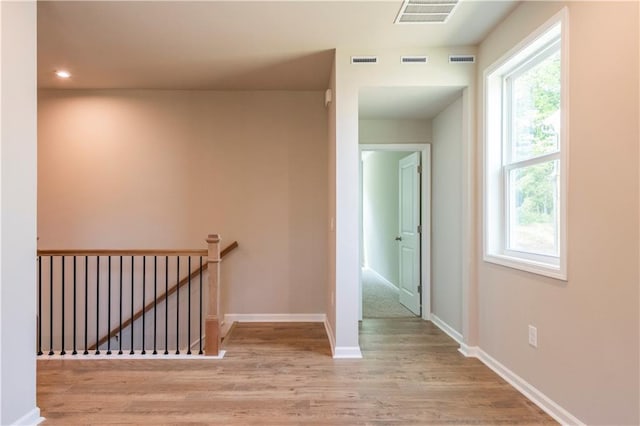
63 74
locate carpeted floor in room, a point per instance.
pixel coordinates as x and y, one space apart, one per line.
380 299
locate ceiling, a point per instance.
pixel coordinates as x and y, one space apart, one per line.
230 45
405 102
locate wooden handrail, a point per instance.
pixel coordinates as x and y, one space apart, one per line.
162 297
231 247
125 252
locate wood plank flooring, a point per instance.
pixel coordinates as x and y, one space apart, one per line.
282 374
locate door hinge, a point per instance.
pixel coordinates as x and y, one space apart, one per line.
419 229
419 288
419 168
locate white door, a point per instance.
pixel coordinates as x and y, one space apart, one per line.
409 235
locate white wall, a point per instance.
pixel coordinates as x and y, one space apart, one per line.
162 169
446 215
331 213
385 131
18 213
588 327
389 72
381 213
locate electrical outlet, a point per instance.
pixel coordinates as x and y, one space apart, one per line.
533 336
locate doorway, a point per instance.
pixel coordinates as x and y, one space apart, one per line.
394 218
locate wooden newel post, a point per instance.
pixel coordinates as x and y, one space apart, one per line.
212 322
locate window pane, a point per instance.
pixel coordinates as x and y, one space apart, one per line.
536 110
533 208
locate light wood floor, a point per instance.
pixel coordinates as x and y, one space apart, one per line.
281 374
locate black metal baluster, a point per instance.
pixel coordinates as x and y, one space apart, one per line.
144 291
109 308
86 304
189 310
62 351
75 304
39 305
51 306
120 330
200 316
97 305
155 303
166 305
177 305
132 352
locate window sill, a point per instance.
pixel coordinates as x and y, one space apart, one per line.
539 268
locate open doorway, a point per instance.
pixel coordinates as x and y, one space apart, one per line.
395 219
391 233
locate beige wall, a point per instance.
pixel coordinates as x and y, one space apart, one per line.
446 216
588 334
162 169
18 213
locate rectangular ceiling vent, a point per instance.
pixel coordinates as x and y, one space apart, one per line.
425 11
364 59
462 59
414 59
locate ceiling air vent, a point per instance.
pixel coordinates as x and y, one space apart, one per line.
462 59
414 59
364 59
425 11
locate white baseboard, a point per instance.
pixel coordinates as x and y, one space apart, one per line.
381 278
549 406
31 418
450 331
347 352
468 351
330 335
340 352
231 318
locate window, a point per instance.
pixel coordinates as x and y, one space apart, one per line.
525 154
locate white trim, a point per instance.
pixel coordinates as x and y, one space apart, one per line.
380 277
425 241
126 356
525 265
31 418
450 331
347 352
493 210
549 406
468 351
231 318
340 352
330 335
533 394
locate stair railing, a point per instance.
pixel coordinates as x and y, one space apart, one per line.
130 301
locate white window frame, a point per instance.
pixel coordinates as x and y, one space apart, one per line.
497 162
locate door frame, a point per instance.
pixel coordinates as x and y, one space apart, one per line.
425 217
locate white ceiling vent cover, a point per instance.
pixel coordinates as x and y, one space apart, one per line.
414 59
364 59
426 11
462 59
